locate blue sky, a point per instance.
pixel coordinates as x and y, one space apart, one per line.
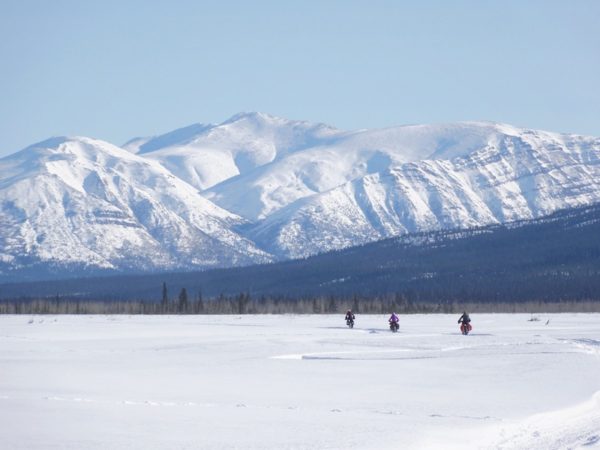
118 69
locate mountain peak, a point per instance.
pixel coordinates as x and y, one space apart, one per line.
253 116
260 120
53 142
62 142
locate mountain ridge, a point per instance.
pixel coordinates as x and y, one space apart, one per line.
258 188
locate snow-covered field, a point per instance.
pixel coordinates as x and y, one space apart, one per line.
299 382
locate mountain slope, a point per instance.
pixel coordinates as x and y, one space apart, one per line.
554 258
86 204
522 174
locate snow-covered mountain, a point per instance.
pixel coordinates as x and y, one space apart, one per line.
516 174
350 156
257 187
86 203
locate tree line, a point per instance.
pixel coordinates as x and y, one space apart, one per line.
244 303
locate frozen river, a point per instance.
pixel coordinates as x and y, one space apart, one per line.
299 382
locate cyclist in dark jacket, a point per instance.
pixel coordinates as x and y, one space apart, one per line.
464 318
349 315
465 323
350 318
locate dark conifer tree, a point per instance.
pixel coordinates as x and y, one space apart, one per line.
331 307
316 306
183 301
199 303
165 295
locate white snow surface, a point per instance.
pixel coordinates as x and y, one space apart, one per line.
257 188
299 382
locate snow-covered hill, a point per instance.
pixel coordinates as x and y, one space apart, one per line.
86 203
206 155
258 187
